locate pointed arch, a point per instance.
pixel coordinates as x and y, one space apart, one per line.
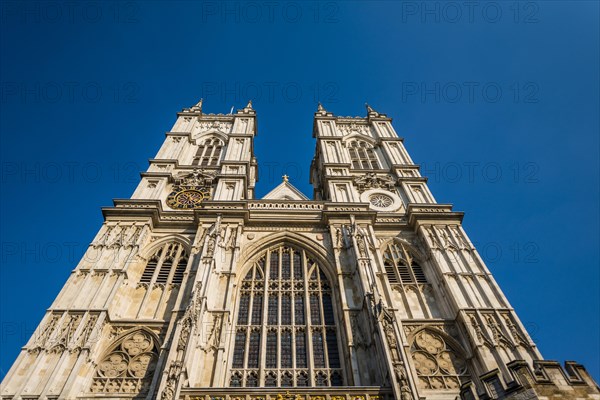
439 360
285 301
127 365
358 136
167 263
253 251
210 150
403 263
212 132
362 153
416 252
150 249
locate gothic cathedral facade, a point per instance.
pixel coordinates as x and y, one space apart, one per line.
195 289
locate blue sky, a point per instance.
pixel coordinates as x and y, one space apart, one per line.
498 102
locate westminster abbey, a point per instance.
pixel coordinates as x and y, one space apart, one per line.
371 290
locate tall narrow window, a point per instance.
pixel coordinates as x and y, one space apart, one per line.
240 346
400 265
286 349
166 266
271 357
253 349
273 309
300 320
301 349
362 155
208 153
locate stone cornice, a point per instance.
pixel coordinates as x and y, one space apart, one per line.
275 211
419 214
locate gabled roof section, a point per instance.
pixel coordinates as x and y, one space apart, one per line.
285 191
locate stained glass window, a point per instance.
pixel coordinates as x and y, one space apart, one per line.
299 309
300 320
286 349
315 313
243 313
257 310
332 349
253 349
273 309
301 349
240 346
271 357
286 309
318 350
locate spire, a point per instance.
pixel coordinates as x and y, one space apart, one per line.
321 110
372 113
196 108
248 109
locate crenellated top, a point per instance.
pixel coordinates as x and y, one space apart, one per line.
547 379
374 124
350 150
222 144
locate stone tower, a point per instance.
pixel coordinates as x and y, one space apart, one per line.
194 289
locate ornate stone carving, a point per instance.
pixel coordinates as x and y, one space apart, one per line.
353 127
173 373
214 233
498 337
358 336
220 126
516 335
371 180
214 336
438 365
198 177
128 367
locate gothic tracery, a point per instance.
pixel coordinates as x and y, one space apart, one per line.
286 301
128 367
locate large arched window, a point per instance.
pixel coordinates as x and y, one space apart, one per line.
209 153
362 155
400 266
286 333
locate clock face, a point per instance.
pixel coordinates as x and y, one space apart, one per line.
189 198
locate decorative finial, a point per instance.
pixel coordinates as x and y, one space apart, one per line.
249 105
320 107
369 108
199 104
285 178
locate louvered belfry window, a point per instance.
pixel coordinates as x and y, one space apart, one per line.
166 266
400 266
362 155
208 153
286 333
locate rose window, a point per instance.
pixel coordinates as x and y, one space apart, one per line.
381 200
